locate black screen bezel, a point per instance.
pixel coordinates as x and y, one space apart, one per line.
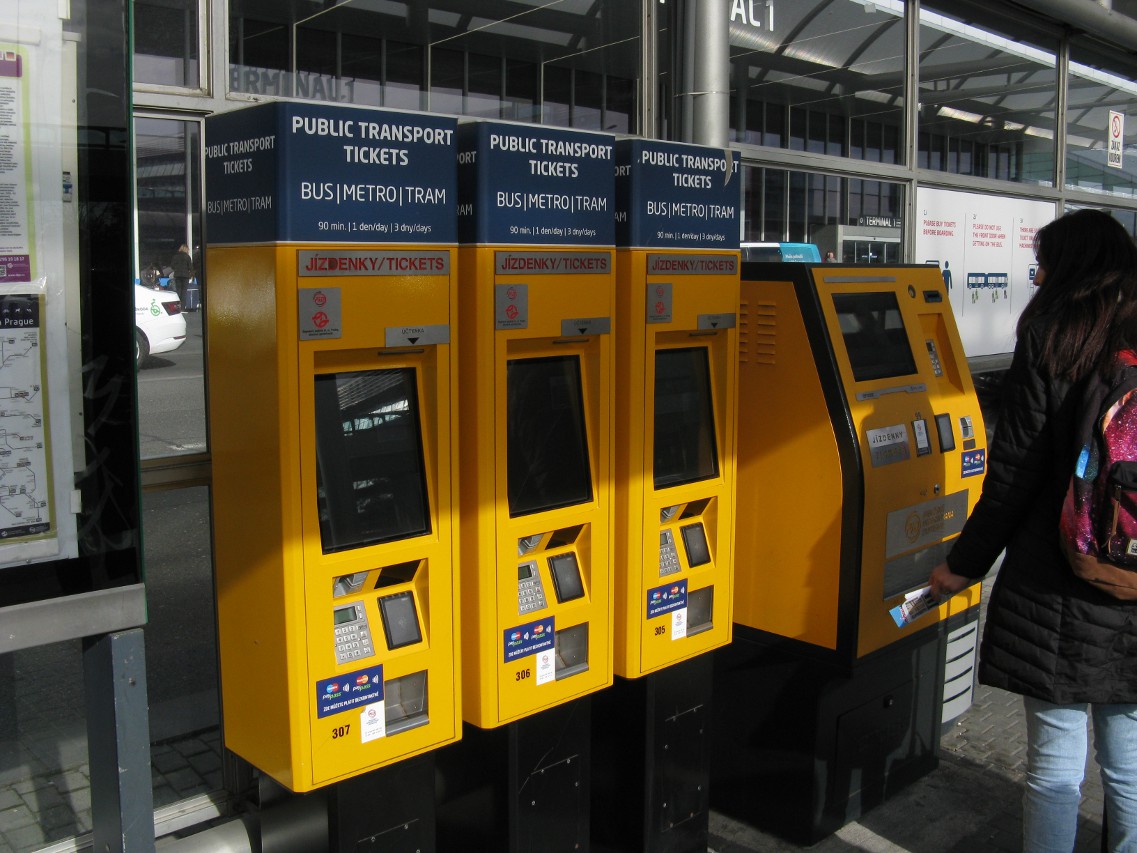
347 532
882 352
548 464
696 458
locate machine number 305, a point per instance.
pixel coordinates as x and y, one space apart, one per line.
341 731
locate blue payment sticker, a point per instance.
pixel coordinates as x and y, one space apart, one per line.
350 690
526 640
973 462
665 599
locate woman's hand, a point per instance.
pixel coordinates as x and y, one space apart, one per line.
946 583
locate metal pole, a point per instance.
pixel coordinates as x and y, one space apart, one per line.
708 57
118 743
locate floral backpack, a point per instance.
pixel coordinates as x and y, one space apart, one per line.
1098 525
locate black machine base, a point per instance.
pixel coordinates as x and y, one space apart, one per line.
802 747
389 810
650 780
520 788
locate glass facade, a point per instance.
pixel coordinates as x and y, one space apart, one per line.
573 63
166 43
820 77
1101 94
988 100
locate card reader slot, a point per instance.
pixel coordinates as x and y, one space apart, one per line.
946 433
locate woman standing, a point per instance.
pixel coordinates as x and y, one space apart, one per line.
1069 649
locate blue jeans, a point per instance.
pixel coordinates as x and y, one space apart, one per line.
1056 763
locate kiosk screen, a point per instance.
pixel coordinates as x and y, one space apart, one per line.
685 449
547 461
370 476
874 334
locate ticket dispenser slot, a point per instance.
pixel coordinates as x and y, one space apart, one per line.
332 354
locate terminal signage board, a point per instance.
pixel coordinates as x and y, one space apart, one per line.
534 186
671 195
285 172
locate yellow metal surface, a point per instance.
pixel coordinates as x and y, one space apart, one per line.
917 485
789 475
794 578
645 515
495 691
275 584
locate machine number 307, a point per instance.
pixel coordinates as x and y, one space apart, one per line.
341 731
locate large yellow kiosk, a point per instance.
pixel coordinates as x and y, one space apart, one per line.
862 454
333 368
536 305
677 267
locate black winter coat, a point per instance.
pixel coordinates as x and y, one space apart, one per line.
1048 634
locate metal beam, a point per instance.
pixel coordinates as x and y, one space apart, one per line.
1090 17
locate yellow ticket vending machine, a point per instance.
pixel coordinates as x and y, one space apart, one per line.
332 360
863 454
677 267
536 308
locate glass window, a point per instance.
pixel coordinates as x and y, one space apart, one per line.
987 100
166 43
828 71
571 63
859 220
259 54
181 646
1099 87
170 288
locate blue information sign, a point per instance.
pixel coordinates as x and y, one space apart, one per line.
677 196
526 640
664 599
286 172
350 690
530 185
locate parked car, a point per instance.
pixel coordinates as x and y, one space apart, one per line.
159 325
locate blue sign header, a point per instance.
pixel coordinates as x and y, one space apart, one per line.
532 185
287 172
677 196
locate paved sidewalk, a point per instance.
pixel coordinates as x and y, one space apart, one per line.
971 802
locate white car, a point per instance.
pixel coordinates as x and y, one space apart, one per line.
159 325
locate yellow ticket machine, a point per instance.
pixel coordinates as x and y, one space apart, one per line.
864 452
333 364
677 268
536 307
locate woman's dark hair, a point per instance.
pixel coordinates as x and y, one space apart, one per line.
1086 308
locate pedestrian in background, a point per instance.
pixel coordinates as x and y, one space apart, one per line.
1068 648
182 265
